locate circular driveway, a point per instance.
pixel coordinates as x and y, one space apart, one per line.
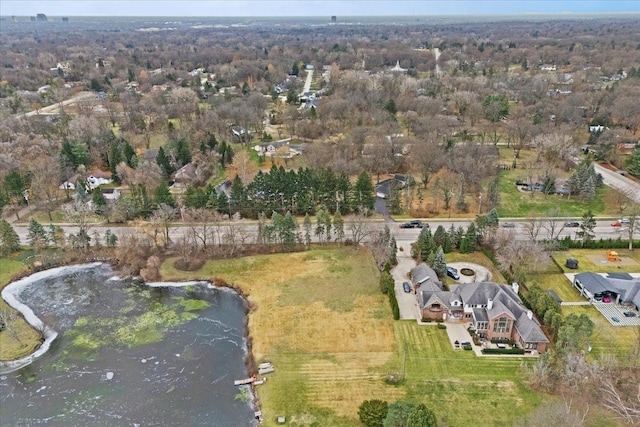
482 274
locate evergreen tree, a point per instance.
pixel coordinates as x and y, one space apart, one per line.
182 151
110 238
587 225
471 236
9 240
338 226
37 235
238 196
289 228
99 202
439 236
223 205
422 417
447 247
386 282
307 229
162 195
320 224
398 413
163 161
439 263
363 195
393 259
372 412
632 164
55 235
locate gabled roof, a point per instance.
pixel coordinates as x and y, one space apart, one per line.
593 282
499 309
529 329
441 297
480 315
421 273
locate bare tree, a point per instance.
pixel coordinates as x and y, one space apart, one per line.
520 257
163 216
359 228
553 223
427 157
532 226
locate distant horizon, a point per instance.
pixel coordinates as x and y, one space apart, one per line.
312 8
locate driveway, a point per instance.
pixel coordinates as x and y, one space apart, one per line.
457 331
481 274
407 302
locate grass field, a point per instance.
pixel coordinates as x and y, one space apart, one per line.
319 318
29 340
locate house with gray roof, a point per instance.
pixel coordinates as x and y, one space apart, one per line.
495 311
620 288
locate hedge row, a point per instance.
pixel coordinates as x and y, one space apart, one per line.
502 351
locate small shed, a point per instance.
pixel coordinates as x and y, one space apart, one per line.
571 263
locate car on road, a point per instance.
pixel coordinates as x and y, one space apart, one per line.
620 222
508 224
453 273
407 287
629 314
572 224
415 223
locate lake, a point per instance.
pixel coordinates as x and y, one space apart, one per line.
129 354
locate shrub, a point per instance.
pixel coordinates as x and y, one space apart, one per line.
467 347
442 326
503 351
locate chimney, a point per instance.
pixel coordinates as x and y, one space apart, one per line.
530 314
489 304
515 287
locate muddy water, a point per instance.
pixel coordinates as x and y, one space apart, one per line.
128 354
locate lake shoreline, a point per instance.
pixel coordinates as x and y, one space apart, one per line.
10 291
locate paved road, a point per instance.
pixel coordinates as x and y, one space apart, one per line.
619 182
248 230
53 108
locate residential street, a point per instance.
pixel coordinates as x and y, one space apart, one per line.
619 182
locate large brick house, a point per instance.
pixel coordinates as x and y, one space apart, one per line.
494 310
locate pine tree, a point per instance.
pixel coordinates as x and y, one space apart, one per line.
99 202
439 263
471 237
307 229
289 228
338 226
9 240
37 235
163 196
363 193
163 161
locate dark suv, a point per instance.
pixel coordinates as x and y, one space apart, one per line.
416 223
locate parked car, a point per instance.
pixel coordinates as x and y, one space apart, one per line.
572 224
508 224
629 314
453 273
407 287
615 319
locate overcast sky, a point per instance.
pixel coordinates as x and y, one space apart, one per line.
307 7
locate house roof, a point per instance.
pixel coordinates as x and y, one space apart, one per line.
498 309
594 283
421 273
529 329
621 276
441 297
480 315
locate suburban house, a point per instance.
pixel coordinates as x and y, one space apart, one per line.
620 288
282 149
493 310
186 175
